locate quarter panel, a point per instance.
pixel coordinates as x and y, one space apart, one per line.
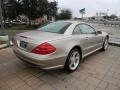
64 46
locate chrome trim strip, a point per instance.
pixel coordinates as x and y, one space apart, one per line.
91 52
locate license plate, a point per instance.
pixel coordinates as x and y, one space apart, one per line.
23 44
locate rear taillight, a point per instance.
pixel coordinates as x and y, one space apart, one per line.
44 48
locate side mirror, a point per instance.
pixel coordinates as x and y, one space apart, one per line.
98 32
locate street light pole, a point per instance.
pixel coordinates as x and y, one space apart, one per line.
1 19
107 12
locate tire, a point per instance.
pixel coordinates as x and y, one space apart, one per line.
73 60
105 44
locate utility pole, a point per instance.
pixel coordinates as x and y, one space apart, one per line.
1 18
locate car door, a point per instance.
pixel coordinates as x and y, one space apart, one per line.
84 40
91 40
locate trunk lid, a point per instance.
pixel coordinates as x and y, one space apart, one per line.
35 38
41 36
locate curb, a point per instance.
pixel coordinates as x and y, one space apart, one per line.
3 46
114 43
6 45
5 40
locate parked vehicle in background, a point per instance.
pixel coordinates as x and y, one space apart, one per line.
61 44
19 22
16 22
7 23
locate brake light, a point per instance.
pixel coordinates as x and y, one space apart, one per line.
44 48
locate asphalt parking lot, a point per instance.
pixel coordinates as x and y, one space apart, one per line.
99 71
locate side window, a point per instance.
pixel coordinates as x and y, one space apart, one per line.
77 30
86 29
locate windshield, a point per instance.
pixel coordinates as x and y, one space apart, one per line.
55 27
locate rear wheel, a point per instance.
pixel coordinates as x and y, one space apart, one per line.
73 60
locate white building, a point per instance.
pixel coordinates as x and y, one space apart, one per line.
99 15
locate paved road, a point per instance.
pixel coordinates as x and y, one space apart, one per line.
100 71
109 29
113 31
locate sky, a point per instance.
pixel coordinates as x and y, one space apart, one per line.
92 6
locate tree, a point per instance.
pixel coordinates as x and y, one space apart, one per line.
106 17
52 9
65 14
12 8
30 8
34 8
113 16
42 7
93 18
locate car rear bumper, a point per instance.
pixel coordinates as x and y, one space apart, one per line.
44 63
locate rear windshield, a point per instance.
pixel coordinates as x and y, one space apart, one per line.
55 27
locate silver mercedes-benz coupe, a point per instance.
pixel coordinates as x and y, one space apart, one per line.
61 44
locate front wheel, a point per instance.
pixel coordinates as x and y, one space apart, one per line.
105 44
73 60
